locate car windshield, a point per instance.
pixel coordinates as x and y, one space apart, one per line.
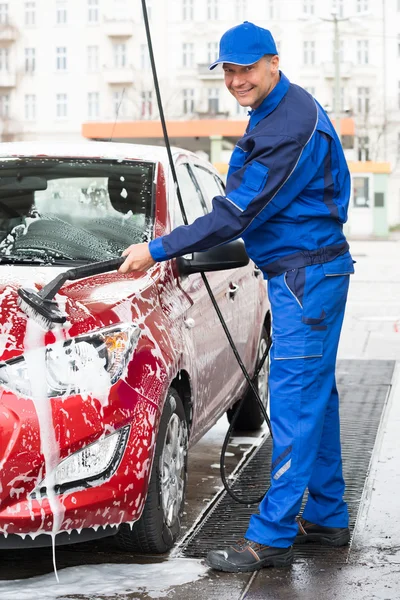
56 209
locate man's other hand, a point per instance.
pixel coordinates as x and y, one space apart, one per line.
138 258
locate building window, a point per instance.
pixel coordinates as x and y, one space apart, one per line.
61 58
144 57
4 106
4 13
61 106
213 101
271 9
92 58
363 148
361 192
93 105
240 10
4 59
362 52
338 8
188 102
363 100
119 51
362 6
398 45
308 7
398 95
147 105
93 11
309 53
187 10
30 60
188 55
30 107
30 12
242 111
61 12
212 51
212 10
119 104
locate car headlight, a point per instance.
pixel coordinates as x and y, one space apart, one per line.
88 364
88 467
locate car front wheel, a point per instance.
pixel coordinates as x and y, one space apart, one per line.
158 527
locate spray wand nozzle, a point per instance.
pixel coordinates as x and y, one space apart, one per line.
41 306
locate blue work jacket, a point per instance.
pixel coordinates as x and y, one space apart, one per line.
287 190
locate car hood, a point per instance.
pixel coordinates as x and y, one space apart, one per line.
89 303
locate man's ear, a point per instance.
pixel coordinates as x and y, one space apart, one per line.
274 64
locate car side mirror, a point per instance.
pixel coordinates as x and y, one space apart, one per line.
221 258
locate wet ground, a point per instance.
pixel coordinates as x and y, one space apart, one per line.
368 570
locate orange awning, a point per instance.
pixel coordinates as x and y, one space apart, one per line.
347 126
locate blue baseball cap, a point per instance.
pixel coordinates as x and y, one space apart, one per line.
245 44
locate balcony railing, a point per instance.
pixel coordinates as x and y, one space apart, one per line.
118 27
204 72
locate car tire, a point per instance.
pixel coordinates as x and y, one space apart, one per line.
250 416
159 526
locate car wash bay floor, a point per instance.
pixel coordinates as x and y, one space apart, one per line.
369 569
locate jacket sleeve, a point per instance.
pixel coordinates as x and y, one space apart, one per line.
275 164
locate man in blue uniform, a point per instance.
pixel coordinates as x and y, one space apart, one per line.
287 196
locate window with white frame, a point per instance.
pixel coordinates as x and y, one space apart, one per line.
188 101
61 12
4 13
4 106
92 58
93 11
30 60
308 7
363 148
309 53
147 104
398 145
144 57
398 95
61 58
240 10
363 98
213 101
188 55
341 106
212 51
212 10
118 103
361 192
338 8
93 105
310 89
30 107
61 106
30 12
398 45
362 6
187 10
119 52
4 59
271 7
362 52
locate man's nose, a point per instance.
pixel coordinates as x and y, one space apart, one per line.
238 81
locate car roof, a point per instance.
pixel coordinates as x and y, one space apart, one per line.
89 149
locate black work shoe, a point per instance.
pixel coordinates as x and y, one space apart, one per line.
244 556
328 536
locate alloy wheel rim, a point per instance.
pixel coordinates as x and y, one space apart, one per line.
172 468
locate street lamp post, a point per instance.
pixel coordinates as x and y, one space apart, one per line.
336 60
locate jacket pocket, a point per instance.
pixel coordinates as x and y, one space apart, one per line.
253 181
342 265
289 348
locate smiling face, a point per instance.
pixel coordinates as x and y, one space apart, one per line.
251 84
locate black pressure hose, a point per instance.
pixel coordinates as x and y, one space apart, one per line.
208 288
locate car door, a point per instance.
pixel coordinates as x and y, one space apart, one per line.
212 363
242 295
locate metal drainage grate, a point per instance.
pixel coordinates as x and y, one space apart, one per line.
363 387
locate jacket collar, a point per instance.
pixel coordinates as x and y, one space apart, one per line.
270 102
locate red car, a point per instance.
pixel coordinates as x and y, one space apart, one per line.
97 414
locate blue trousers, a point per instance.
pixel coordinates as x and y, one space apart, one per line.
307 307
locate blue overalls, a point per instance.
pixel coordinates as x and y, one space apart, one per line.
287 196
